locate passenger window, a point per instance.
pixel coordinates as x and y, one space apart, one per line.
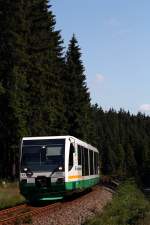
83 162
86 161
96 162
91 163
79 155
72 150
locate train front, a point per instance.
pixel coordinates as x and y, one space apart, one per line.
42 175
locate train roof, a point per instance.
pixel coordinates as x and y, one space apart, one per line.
61 137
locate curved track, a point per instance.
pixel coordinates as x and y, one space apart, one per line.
23 213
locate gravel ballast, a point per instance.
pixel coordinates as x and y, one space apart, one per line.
77 211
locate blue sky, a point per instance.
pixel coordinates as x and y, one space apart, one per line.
114 36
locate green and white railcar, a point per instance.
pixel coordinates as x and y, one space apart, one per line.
51 167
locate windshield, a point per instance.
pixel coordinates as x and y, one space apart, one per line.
43 155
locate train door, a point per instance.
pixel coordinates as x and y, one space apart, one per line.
74 165
72 160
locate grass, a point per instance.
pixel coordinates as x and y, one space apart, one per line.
128 207
9 195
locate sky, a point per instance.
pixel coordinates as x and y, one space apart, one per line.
114 37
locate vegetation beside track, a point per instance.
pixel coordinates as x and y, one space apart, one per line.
128 206
9 195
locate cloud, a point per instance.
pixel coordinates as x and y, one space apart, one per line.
99 78
145 108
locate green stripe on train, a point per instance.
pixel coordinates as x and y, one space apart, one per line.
55 191
81 183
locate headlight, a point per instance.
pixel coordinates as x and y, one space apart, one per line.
60 168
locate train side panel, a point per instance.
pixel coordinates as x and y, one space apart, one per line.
75 175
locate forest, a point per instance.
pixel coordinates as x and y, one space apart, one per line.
43 91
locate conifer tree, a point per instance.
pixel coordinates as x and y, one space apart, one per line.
77 99
120 160
131 165
98 120
45 92
144 169
108 159
31 73
13 60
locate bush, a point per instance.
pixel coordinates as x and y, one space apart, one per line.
127 207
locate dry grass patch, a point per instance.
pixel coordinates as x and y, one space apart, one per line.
9 194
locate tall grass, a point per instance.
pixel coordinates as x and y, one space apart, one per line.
9 194
127 208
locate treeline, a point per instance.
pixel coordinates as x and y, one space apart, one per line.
124 143
43 91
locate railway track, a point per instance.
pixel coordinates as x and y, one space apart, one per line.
23 213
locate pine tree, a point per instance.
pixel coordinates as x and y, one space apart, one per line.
13 60
108 159
77 99
31 74
131 165
98 120
144 169
45 91
55 94
120 160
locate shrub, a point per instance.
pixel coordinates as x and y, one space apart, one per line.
126 208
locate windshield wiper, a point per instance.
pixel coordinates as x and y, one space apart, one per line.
56 169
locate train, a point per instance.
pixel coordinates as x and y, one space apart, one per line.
53 166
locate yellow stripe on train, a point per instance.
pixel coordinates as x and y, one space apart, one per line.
74 177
